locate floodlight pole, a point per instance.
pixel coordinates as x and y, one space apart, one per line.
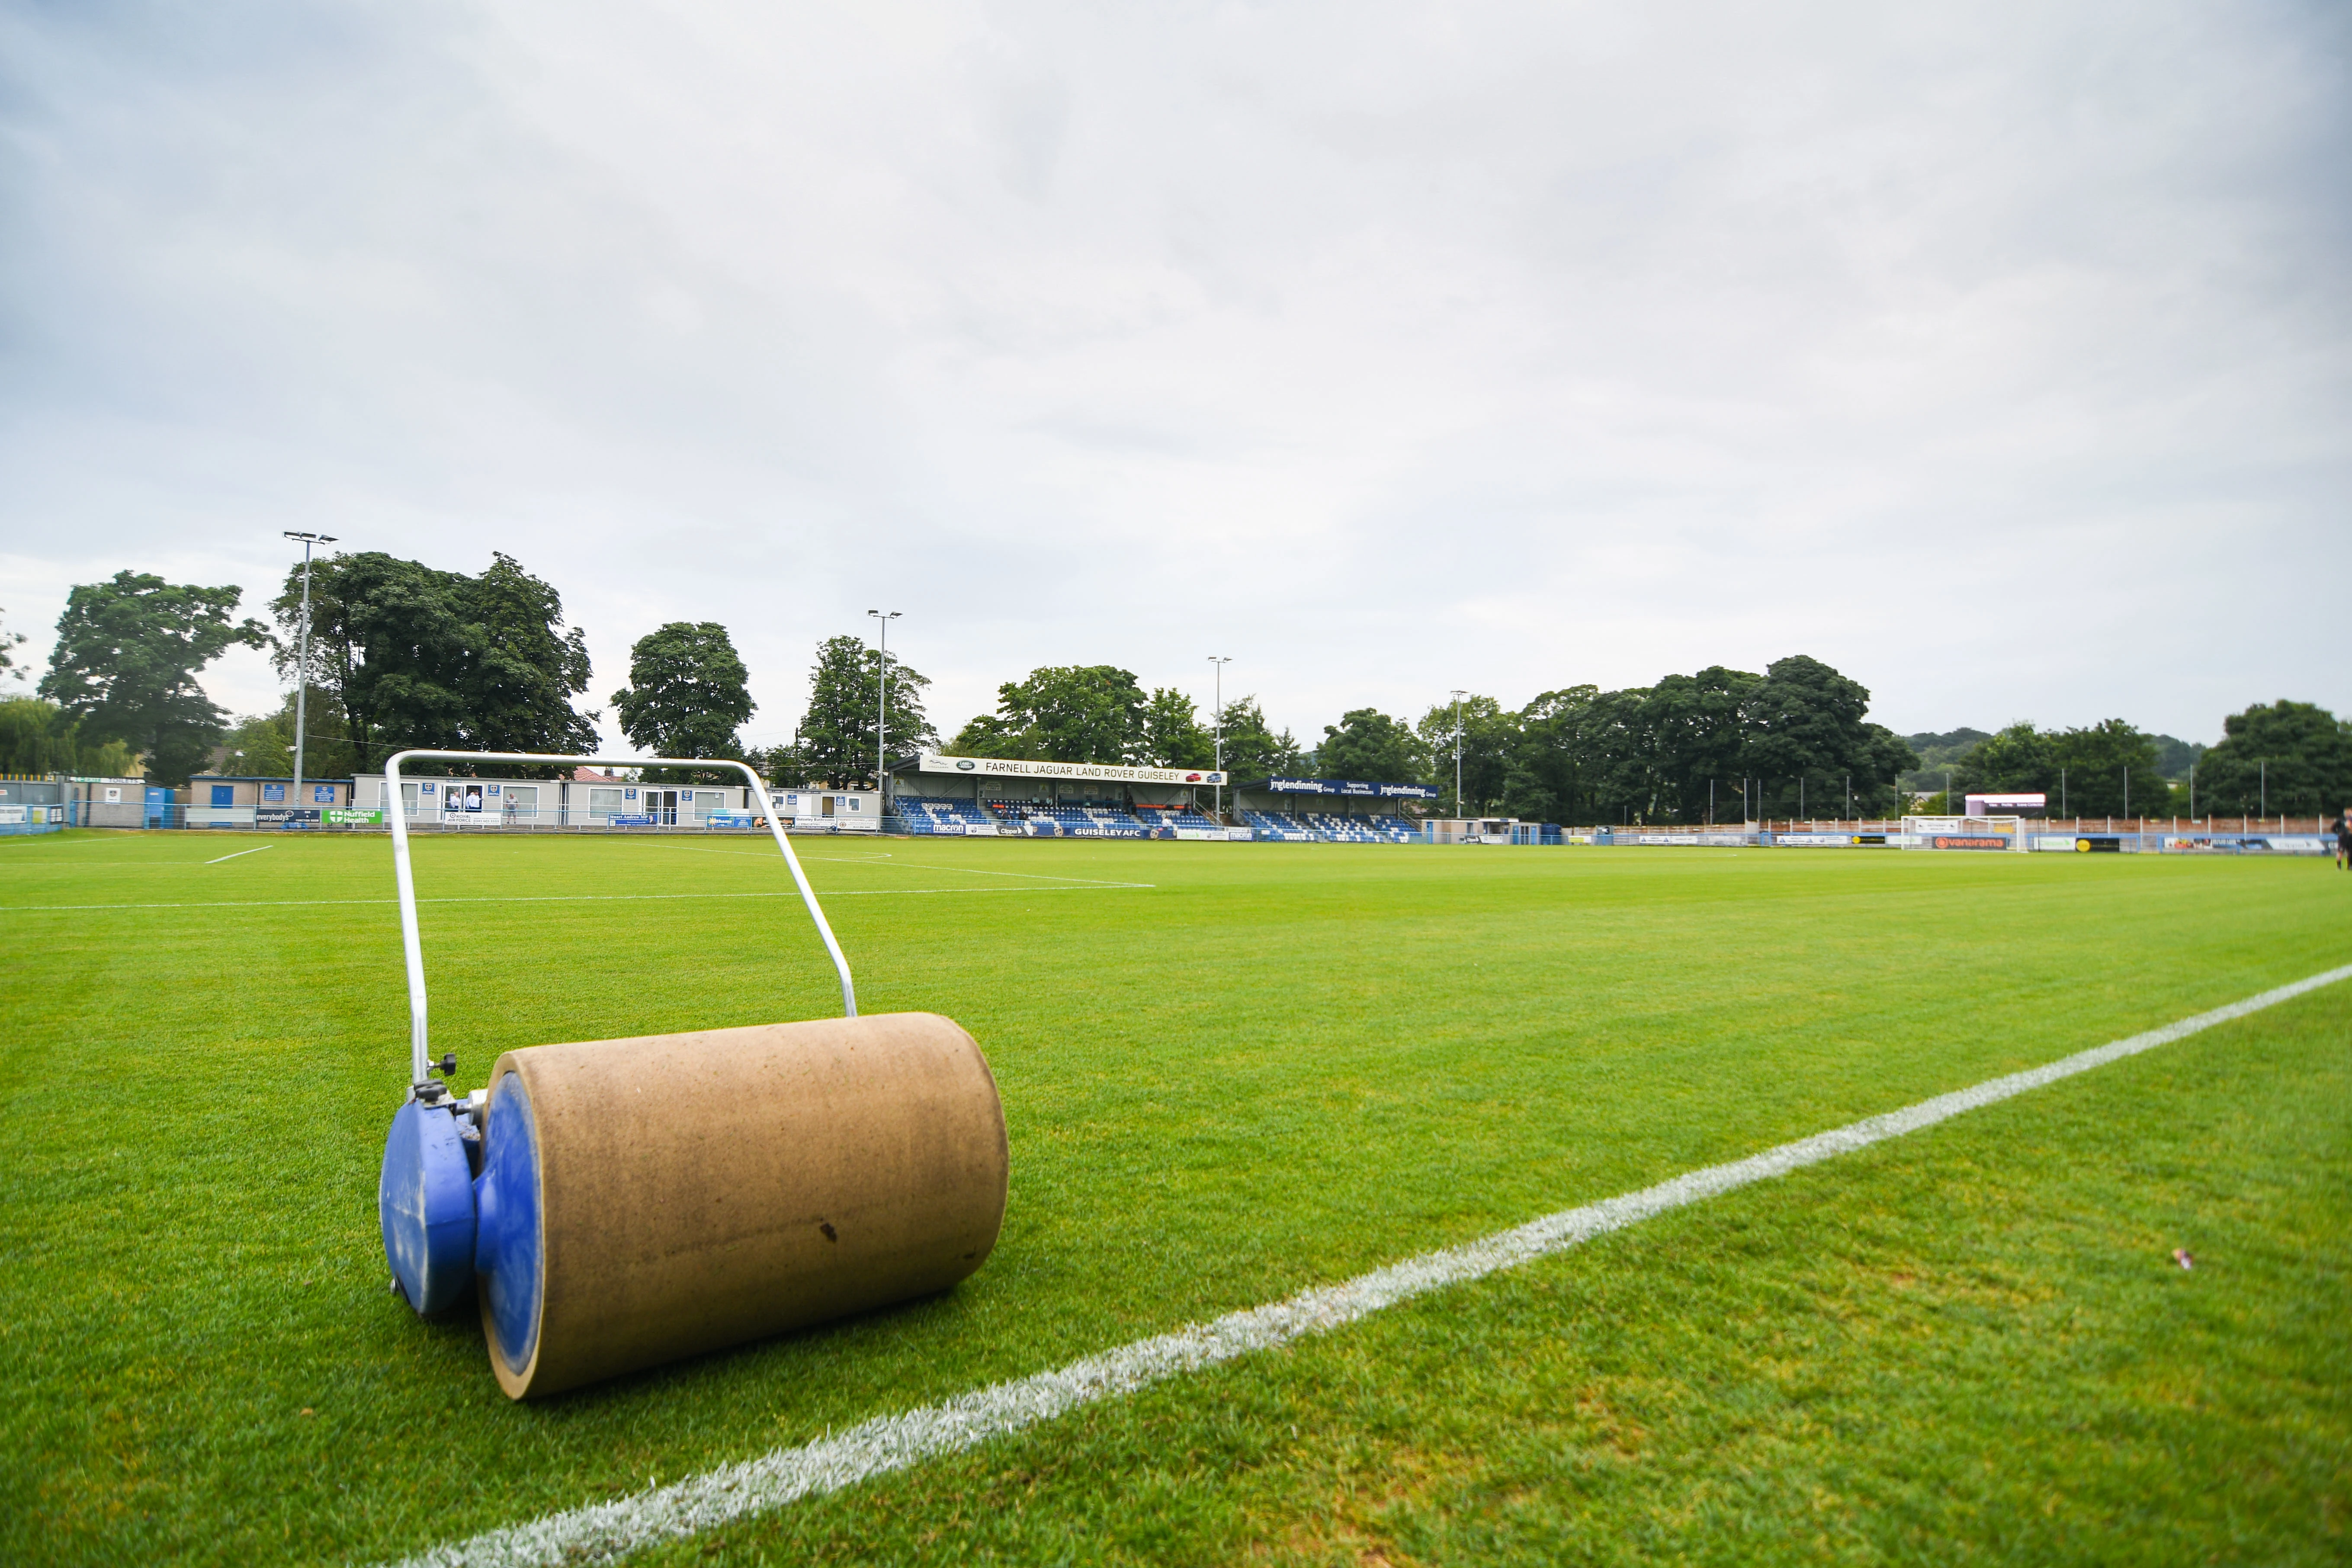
1218 661
882 711
1458 812
302 665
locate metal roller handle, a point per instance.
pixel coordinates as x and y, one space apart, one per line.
420 1056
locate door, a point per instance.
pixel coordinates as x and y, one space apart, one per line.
661 805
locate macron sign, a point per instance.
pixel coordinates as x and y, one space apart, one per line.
1015 768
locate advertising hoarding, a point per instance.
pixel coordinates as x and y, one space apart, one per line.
1103 772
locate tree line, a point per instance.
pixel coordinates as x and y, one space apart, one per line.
407 655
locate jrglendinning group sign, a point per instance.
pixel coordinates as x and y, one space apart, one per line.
1020 768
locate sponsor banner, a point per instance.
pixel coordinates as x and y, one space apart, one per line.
2244 844
1017 768
638 820
282 816
13 816
2101 845
1666 838
1216 834
1965 840
1358 788
2046 841
340 817
1816 840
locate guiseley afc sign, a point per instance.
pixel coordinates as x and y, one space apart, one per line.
1106 772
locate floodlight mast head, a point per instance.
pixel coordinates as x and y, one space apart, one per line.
420 1054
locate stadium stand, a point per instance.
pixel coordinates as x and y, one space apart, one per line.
1358 829
933 813
1325 827
1071 819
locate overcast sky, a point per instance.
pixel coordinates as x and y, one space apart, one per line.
1996 354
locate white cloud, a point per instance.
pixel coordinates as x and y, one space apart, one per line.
1997 357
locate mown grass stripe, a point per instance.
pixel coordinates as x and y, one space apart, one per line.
606 1532
575 898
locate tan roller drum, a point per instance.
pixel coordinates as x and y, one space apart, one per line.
646 1199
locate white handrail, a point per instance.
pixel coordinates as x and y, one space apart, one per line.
421 1057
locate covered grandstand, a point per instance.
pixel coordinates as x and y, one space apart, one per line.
935 793
1330 811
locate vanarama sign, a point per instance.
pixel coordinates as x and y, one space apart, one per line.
1018 768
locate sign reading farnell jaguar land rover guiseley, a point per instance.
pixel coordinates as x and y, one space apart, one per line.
1020 768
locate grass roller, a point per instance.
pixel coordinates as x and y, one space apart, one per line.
612 1205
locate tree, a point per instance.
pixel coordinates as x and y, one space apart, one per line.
686 695
1489 736
1368 744
836 736
518 687
126 660
1545 781
1806 725
35 737
1253 750
412 655
2018 759
2287 757
1173 735
1063 713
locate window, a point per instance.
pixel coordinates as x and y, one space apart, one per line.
606 802
522 799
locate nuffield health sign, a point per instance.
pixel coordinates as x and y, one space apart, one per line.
1107 772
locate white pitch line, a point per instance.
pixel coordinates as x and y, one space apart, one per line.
254 850
604 1531
577 897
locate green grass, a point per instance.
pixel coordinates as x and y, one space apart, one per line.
1272 1066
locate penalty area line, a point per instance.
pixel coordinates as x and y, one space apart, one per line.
604 1531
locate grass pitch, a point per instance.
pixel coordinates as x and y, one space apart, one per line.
1230 1071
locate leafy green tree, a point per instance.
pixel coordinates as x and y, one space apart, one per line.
1545 780
126 660
2106 769
1938 753
688 694
2018 758
1490 733
1368 744
1063 714
526 668
2291 757
1173 736
1254 749
35 737
411 656
1807 722
837 734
